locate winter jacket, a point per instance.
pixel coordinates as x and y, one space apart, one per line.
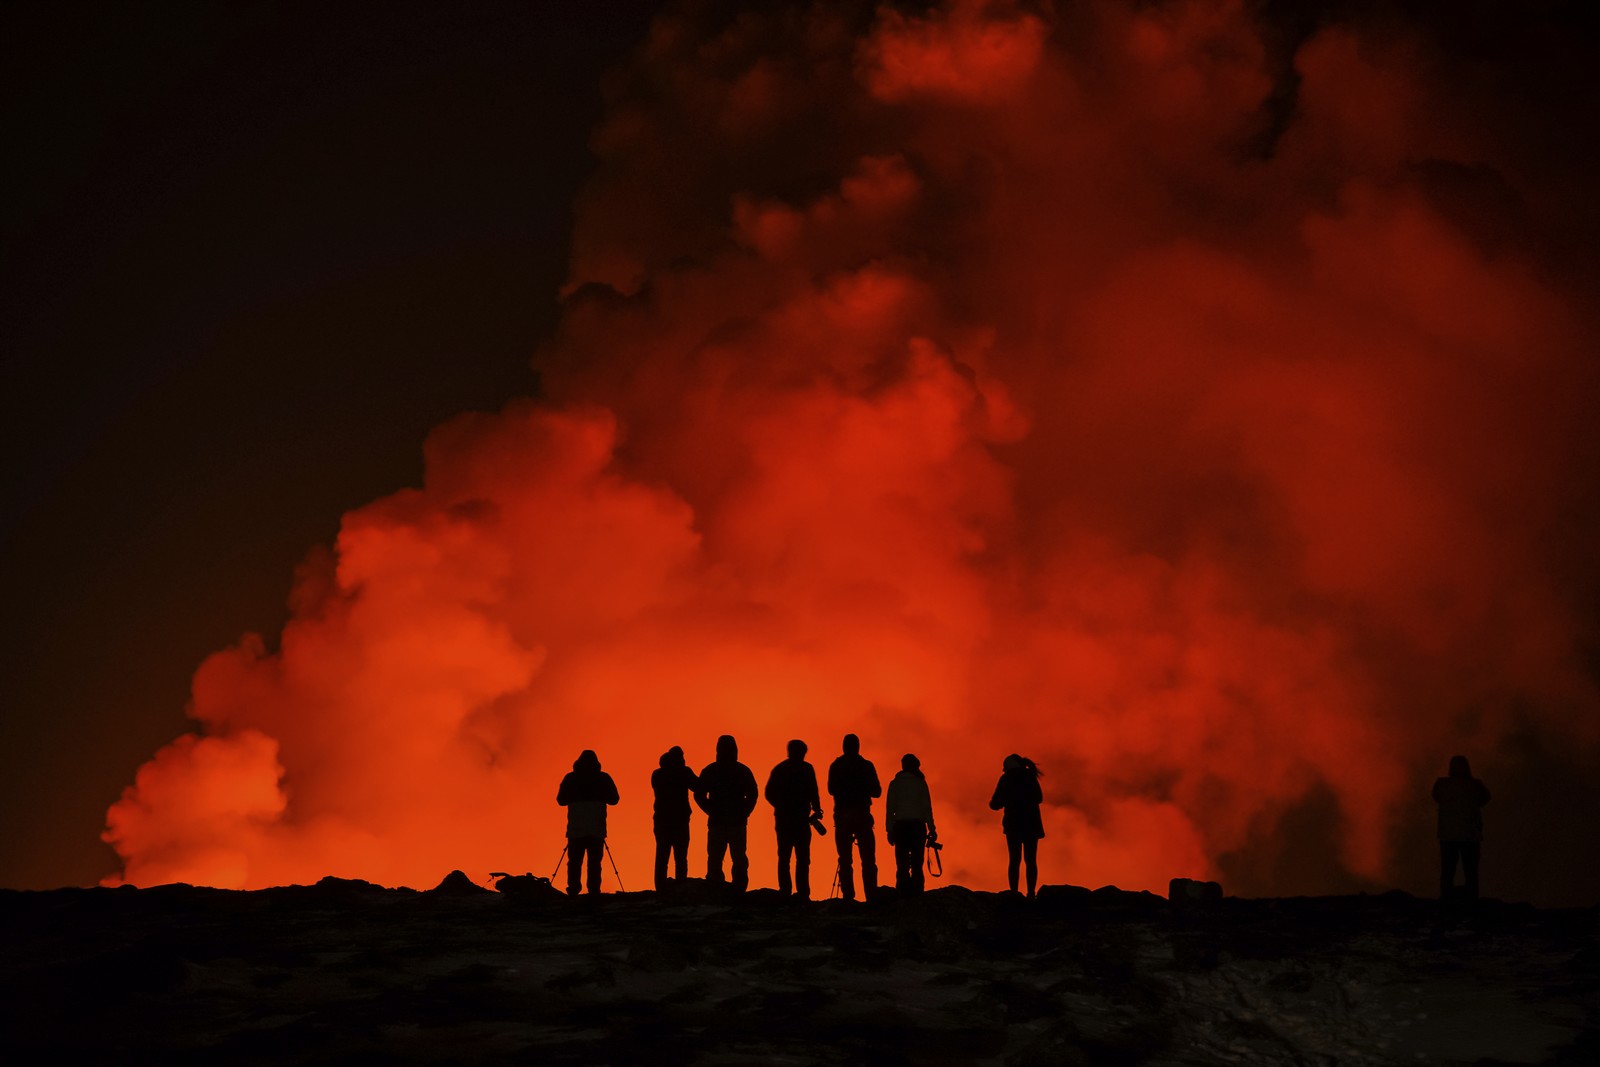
672 783
727 793
585 793
1019 795
792 792
1461 800
909 800
853 783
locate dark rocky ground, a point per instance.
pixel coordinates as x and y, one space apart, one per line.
345 972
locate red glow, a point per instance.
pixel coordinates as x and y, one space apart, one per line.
1059 423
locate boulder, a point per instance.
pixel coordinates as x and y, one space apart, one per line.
1187 892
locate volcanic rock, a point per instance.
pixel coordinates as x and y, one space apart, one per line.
342 972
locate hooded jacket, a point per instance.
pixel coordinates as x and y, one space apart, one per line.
672 783
1461 798
727 792
585 793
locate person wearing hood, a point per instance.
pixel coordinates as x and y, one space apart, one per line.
909 813
792 792
672 783
586 793
1461 798
727 795
1019 796
853 785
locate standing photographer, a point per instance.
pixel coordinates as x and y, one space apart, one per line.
796 807
909 811
586 793
853 784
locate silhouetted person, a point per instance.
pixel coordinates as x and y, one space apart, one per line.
1461 798
585 793
853 784
672 782
792 792
1019 796
909 812
727 795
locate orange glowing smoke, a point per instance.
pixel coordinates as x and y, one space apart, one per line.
992 380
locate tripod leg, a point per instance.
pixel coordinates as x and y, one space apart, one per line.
558 863
614 870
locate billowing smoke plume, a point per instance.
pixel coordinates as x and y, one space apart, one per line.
1197 403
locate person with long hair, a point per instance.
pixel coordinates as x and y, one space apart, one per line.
1019 796
1461 798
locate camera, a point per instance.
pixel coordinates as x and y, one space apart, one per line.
933 842
816 824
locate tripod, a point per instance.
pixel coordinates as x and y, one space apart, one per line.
609 856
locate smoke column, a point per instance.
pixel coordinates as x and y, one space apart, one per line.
1196 403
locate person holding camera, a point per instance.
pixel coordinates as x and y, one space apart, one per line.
796 808
672 782
909 812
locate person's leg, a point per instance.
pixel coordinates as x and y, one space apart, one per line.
741 857
575 847
908 842
1448 852
663 847
869 861
842 836
1470 851
1013 861
1030 856
680 852
785 847
597 849
919 844
802 863
716 845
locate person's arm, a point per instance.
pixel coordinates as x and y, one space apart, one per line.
611 790
1035 790
767 792
816 797
877 789
700 791
833 779
1483 793
998 801
751 793
1438 784
561 793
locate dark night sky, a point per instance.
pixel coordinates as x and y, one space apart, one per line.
253 253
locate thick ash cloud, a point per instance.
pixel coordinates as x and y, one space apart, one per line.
1198 404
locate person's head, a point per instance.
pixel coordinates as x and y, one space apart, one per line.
1013 762
672 757
586 761
797 749
1459 768
727 748
908 762
852 745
